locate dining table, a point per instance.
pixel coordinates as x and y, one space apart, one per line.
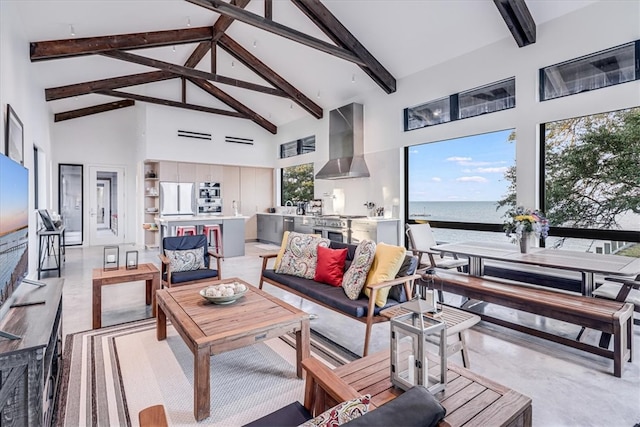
587 263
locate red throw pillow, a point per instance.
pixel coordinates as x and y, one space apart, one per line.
330 268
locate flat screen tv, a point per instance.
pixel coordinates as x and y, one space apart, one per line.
14 227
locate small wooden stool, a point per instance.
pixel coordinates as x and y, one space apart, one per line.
216 241
153 416
457 321
186 230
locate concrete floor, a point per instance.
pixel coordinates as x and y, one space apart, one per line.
568 387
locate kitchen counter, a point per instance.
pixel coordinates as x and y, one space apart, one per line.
232 228
364 218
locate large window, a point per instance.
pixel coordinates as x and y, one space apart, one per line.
297 183
591 181
460 185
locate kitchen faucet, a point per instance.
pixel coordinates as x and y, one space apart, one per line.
288 203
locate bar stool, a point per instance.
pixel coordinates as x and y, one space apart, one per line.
185 230
216 241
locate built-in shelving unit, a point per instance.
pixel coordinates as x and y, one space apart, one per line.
151 205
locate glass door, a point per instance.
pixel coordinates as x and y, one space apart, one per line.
70 203
106 205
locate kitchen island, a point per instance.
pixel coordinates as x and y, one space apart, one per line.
232 228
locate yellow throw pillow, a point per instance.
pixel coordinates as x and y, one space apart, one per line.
386 264
283 246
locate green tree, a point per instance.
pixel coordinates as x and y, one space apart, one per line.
592 170
297 183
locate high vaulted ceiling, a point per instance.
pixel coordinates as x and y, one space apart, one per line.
403 36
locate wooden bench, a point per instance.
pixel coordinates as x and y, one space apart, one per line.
610 317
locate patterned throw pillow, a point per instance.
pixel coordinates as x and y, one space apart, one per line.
301 255
187 260
355 277
341 413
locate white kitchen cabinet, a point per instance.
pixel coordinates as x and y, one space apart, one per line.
230 189
168 171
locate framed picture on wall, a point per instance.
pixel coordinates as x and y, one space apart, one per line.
14 136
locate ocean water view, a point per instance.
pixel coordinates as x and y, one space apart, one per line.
13 258
486 212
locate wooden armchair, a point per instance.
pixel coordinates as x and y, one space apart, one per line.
420 238
178 261
621 289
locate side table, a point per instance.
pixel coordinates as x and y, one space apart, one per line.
50 255
457 321
146 272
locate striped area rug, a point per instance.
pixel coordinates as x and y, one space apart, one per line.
112 373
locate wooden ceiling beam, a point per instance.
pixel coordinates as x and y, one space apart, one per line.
235 104
262 70
333 28
95 109
191 72
55 49
519 20
224 8
169 103
85 88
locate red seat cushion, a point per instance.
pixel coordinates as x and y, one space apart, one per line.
330 267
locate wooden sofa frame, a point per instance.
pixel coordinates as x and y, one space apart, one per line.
370 319
609 317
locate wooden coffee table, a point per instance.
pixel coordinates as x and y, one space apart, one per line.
146 272
210 329
470 399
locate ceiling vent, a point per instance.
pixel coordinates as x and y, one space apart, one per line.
197 135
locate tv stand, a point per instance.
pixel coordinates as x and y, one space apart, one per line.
30 366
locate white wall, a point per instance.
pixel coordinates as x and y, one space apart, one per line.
594 28
106 139
19 88
163 143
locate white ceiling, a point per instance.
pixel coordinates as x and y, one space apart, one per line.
405 36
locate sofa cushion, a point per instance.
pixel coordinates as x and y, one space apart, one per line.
356 276
414 408
386 264
301 255
283 247
180 243
409 266
341 413
330 266
331 296
185 260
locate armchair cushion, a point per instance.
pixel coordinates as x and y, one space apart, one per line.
189 276
186 260
414 408
182 243
341 413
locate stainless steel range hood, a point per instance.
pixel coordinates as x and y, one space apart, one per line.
346 144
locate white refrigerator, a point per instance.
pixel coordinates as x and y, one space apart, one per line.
177 198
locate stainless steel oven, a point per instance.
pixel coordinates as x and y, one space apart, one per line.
332 228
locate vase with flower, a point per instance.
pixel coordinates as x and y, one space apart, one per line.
523 225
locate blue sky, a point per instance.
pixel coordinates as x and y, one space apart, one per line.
463 169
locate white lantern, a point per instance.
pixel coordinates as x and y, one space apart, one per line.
418 349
